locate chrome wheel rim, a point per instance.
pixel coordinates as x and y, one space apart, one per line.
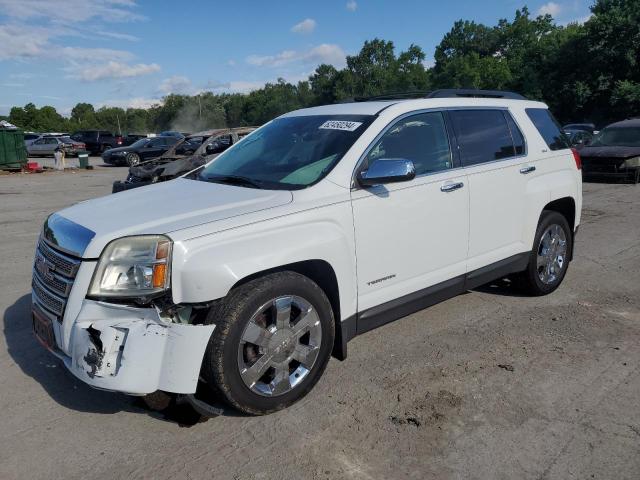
552 252
133 159
279 346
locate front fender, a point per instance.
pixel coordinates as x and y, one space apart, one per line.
207 267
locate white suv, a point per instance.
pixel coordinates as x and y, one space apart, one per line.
243 276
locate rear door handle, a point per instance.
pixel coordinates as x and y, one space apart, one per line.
525 170
450 187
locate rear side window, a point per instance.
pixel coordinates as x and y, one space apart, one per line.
548 127
483 136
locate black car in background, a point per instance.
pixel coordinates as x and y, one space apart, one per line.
131 138
614 152
579 138
97 141
587 127
143 149
190 153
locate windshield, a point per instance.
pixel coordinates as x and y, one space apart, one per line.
618 137
289 153
139 143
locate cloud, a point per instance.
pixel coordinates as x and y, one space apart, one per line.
18 42
135 102
324 53
352 5
61 11
117 36
113 69
551 8
236 86
176 84
308 25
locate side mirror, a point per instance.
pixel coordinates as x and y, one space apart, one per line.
387 170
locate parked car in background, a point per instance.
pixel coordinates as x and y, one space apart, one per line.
46 145
97 141
171 133
143 149
579 138
31 137
614 152
132 138
189 154
587 127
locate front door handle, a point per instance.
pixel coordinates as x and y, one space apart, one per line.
525 170
450 187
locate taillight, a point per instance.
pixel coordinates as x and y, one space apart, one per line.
576 157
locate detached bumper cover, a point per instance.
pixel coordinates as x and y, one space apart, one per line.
130 350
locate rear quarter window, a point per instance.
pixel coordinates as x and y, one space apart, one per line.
483 136
548 127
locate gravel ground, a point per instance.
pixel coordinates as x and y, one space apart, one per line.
486 385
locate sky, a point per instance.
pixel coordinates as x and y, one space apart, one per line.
130 53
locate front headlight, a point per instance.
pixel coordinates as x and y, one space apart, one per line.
631 163
133 267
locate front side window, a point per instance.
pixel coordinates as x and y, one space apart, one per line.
420 138
289 153
483 136
548 127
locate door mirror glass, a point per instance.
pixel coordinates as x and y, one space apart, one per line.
387 170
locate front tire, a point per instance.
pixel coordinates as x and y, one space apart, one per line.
272 342
549 258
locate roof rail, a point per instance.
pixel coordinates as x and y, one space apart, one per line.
394 96
470 92
443 93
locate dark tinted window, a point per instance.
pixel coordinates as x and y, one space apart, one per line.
548 128
516 134
420 138
483 135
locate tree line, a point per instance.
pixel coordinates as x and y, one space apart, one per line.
584 72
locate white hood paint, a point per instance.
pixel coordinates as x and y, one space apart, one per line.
167 207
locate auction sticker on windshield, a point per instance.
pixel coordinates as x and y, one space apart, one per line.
340 125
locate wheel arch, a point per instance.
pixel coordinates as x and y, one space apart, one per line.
322 273
565 206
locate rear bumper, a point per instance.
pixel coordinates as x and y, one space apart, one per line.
131 350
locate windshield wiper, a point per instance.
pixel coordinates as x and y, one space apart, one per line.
234 180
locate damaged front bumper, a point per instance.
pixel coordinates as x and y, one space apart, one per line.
132 350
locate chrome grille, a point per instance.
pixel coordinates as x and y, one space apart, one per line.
49 301
64 264
53 276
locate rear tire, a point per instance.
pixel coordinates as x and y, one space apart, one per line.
272 342
549 258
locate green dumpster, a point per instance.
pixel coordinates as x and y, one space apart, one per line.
13 154
83 159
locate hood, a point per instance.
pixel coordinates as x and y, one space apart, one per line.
166 207
609 152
